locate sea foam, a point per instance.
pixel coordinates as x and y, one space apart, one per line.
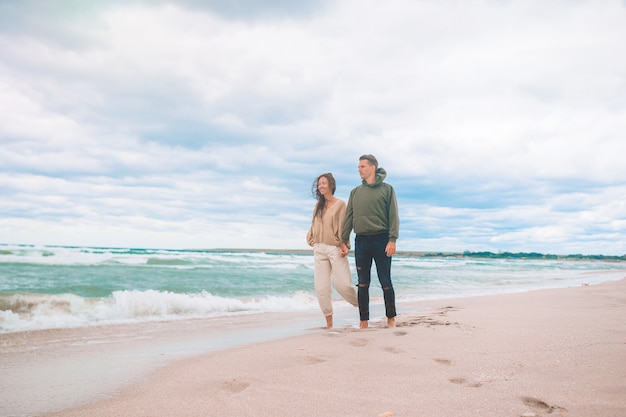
24 311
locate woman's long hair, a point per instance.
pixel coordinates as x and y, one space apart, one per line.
321 200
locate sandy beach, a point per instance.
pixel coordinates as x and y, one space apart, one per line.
559 352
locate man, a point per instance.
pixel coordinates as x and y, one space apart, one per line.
372 212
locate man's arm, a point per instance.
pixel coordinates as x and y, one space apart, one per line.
392 215
394 223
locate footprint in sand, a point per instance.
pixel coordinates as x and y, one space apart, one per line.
312 360
235 386
392 350
359 342
465 382
537 404
400 333
443 361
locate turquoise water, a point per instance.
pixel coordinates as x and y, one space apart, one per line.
45 287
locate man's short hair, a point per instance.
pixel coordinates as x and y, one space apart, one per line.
370 158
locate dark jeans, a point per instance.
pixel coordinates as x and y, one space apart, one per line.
370 248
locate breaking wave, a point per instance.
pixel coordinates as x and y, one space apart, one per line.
25 311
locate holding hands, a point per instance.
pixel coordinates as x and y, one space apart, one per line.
390 250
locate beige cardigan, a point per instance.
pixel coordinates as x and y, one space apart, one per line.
328 228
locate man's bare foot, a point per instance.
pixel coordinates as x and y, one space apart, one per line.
329 322
391 322
364 324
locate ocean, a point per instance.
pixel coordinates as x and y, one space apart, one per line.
51 287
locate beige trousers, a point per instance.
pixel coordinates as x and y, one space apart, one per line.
332 268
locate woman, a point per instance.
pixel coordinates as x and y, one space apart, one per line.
325 238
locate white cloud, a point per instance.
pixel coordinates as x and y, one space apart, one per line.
500 123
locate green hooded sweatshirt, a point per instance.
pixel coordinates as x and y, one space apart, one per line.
372 209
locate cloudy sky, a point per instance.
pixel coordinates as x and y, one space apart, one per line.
202 124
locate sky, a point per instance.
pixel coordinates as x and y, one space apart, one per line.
202 124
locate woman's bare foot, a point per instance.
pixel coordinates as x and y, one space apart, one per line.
391 322
364 324
329 322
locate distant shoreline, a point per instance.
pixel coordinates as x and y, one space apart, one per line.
411 254
466 254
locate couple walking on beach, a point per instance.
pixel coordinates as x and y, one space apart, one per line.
372 211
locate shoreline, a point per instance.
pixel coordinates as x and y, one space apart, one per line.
542 352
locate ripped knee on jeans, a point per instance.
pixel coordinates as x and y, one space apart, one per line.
363 285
